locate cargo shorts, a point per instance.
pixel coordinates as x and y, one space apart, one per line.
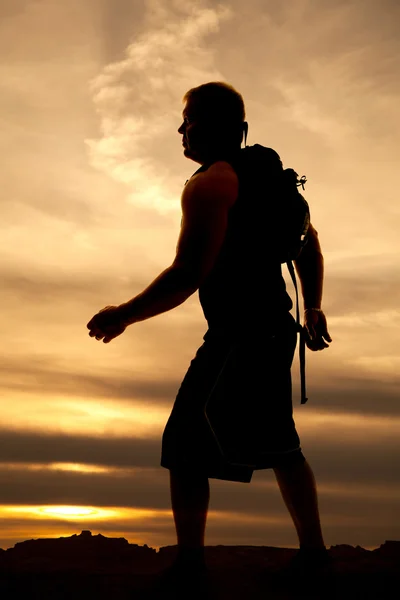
233 413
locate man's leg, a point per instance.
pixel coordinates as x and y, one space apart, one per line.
298 489
190 495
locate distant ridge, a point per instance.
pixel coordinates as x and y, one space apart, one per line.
95 567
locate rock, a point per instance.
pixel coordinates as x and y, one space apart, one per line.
347 551
94 566
78 552
391 548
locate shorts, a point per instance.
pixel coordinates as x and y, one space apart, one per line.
233 413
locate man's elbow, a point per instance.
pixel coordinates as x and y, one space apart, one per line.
189 277
309 256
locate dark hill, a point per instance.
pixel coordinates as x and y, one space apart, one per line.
93 567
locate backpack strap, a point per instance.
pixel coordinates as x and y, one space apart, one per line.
302 344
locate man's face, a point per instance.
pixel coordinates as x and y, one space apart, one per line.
197 134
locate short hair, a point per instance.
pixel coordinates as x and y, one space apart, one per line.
219 100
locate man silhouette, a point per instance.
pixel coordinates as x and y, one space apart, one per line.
251 337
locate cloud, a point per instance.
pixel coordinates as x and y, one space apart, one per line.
38 287
139 98
135 502
118 451
344 389
42 376
341 393
343 454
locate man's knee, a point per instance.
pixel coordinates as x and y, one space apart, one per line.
188 473
291 461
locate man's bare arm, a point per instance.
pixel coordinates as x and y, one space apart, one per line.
310 269
206 201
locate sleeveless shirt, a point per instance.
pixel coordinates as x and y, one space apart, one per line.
245 288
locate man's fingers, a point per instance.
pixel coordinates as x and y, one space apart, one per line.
326 335
311 331
94 333
93 324
316 343
106 326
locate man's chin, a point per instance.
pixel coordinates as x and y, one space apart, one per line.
190 154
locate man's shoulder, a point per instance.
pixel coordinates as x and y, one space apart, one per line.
219 177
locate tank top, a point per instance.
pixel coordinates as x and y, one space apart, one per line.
245 288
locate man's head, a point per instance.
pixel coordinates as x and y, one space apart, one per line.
213 122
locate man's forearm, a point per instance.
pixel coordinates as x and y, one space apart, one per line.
170 289
310 269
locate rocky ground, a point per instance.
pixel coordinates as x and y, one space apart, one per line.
96 567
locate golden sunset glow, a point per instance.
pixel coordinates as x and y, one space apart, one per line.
64 512
75 512
93 170
70 512
84 416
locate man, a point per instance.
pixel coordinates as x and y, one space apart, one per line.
244 300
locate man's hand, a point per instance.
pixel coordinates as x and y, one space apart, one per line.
316 330
107 324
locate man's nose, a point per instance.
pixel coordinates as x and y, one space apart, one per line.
181 128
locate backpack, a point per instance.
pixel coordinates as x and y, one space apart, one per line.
288 207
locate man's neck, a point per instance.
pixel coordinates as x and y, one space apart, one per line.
223 154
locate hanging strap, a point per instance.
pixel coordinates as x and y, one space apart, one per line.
245 131
302 344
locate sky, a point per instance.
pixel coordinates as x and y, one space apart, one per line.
93 169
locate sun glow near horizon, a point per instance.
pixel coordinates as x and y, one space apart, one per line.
73 512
